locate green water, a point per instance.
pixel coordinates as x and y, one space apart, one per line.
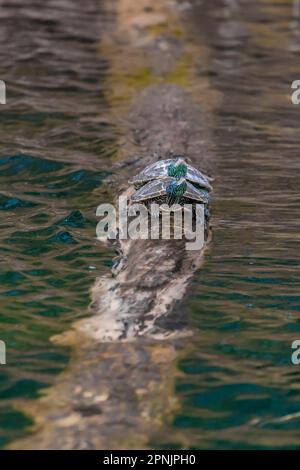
49 257
56 150
237 387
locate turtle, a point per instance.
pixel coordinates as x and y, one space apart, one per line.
176 168
170 190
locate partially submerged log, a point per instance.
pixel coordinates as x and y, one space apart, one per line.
153 274
118 390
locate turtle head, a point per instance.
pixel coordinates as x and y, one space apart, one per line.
178 169
181 187
177 188
175 191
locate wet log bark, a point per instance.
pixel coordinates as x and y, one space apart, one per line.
152 275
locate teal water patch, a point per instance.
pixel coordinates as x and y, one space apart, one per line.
237 387
49 260
11 424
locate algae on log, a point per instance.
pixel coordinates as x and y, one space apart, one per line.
118 390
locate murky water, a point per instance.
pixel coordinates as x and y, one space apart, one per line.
237 386
56 149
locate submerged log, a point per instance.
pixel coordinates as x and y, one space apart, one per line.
118 390
152 274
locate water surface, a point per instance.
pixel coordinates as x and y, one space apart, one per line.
56 150
239 388
235 385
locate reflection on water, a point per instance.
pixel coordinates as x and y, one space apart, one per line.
239 388
55 152
236 385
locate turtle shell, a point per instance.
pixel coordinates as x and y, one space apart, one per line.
161 188
171 168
